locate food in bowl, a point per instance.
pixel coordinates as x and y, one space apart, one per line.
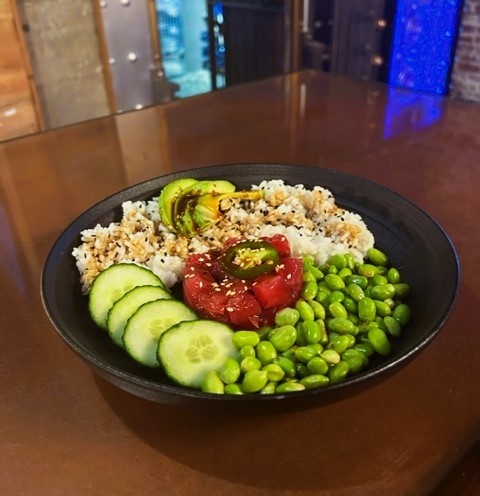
343 305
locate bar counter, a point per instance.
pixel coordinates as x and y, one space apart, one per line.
66 431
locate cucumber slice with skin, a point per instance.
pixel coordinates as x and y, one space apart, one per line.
189 350
144 328
127 305
112 283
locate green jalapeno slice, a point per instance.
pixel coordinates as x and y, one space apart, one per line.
248 259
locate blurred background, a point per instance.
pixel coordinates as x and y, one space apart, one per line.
67 61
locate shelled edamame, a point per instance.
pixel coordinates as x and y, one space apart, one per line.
348 312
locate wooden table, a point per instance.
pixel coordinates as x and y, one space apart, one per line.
65 431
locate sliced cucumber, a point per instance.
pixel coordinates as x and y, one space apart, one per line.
146 325
127 305
112 283
188 350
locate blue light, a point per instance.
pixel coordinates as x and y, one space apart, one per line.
409 111
422 47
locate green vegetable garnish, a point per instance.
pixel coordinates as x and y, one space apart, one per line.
248 259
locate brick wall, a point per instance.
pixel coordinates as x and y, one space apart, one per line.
465 81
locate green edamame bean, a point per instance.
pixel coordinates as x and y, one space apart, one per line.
301 339
344 273
363 328
339 344
233 389
390 302
290 353
338 372
355 353
382 308
354 319
317 348
322 286
318 309
334 282
393 326
254 381
338 260
271 334
378 279
301 370
289 387
250 363
246 351
317 365
307 276
309 290
336 296
269 388
351 339
332 269
379 323
381 270
304 354
359 280
332 334
263 332
350 261
355 292
274 372
355 365
379 340
330 356
367 270
212 383
323 331
230 371
401 313
350 305
287 316
367 309
315 271
393 276
315 380
402 290
363 338
287 365
308 259
382 291
245 338
365 348
322 296
305 310
266 352
336 309
377 257
342 325
312 331
284 338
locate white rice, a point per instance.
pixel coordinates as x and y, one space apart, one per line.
310 219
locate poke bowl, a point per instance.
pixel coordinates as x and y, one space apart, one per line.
416 247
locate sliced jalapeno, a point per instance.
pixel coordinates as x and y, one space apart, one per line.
248 259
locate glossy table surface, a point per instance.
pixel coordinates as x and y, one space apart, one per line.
65 431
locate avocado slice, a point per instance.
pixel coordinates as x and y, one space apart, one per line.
184 222
207 209
168 196
194 191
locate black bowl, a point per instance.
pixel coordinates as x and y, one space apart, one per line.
413 240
